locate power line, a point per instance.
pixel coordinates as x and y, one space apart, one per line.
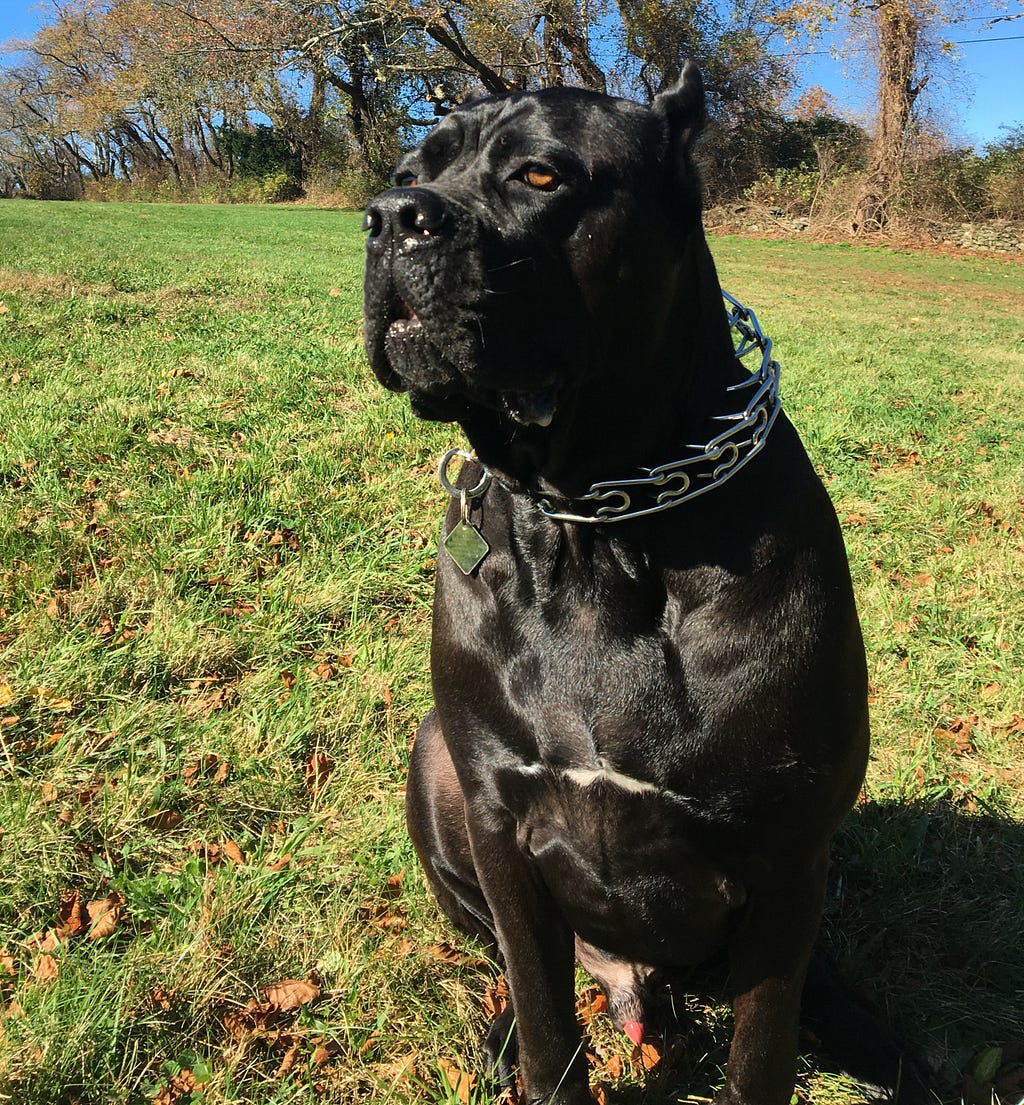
867 50
972 41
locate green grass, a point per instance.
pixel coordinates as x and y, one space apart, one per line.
216 546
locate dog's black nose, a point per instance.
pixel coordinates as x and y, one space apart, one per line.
405 214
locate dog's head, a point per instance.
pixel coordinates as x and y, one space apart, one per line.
531 241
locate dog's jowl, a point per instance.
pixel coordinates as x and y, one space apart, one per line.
650 693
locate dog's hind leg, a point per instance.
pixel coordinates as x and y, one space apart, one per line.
436 815
435 812
768 957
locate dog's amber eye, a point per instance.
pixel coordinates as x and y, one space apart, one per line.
407 180
539 177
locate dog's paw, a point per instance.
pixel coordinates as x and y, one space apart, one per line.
501 1050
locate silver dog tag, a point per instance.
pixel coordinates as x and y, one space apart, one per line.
466 544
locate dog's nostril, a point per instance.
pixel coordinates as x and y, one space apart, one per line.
423 213
372 221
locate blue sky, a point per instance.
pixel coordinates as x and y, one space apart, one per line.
988 95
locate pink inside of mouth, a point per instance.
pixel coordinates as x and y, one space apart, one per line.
634 1030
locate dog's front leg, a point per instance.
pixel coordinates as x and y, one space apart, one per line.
538 950
768 957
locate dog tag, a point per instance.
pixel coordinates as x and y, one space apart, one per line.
466 546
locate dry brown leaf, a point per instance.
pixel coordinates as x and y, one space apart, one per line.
368 1044
50 793
232 852
182 1084
288 1061
599 1094
496 998
72 920
280 863
254 1017
613 1066
648 1054
203 766
46 968
162 999
393 922
288 679
43 941
590 1003
318 771
49 699
460 1081
290 993
395 1071
105 915
326 1051
447 954
162 821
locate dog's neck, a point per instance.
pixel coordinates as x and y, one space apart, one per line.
653 392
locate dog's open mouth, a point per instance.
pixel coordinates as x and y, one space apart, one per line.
407 325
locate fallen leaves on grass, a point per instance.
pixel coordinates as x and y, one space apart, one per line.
496 998
590 1003
49 699
94 920
270 1023
461 1082
961 733
162 821
208 766
291 993
180 1085
318 771
215 854
104 916
445 953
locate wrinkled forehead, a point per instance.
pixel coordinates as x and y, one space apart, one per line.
597 129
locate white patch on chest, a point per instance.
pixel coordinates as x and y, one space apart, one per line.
604 772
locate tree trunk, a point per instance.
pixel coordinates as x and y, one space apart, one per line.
898 33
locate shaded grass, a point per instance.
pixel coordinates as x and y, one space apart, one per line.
216 545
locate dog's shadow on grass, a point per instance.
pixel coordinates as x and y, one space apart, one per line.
925 920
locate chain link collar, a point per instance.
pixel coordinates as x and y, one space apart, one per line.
704 467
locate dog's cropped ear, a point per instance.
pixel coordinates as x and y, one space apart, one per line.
682 107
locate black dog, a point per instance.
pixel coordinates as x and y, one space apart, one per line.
648 671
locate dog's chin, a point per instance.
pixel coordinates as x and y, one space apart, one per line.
531 408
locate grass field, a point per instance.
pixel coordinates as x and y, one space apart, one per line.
217 537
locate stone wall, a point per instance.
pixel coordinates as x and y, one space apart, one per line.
1001 236
996 235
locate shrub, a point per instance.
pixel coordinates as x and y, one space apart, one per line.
1004 186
